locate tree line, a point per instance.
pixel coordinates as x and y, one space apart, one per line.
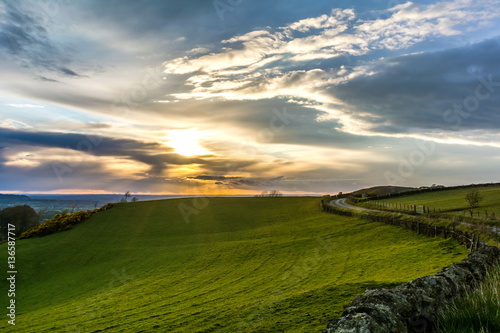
273 193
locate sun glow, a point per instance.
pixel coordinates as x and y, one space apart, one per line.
186 142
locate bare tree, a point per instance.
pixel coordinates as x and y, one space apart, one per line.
275 193
473 198
135 199
73 206
272 193
126 195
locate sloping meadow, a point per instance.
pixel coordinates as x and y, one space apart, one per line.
212 265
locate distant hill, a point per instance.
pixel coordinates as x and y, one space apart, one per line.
382 190
14 197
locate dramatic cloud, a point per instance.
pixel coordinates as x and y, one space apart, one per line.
257 57
182 97
25 38
449 91
155 155
264 64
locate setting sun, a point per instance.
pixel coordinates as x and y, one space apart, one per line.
186 143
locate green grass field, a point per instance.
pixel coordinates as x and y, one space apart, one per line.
241 264
453 200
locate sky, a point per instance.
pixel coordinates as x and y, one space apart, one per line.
239 96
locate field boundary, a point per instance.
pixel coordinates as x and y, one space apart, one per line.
418 191
62 222
418 224
413 306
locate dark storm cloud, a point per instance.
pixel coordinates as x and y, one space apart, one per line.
43 176
68 71
25 39
150 153
204 177
18 30
104 146
281 183
233 182
154 154
307 130
419 91
2 157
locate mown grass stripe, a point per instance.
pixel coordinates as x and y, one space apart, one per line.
251 263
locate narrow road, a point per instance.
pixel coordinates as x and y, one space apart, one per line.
342 204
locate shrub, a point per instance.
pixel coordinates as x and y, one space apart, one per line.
61 222
420 224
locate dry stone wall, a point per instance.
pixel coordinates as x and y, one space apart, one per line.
413 306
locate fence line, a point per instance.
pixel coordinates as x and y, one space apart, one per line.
419 225
422 190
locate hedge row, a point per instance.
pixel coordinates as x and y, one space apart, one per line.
61 222
420 225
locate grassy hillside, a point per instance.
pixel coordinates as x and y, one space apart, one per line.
240 264
382 190
453 200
